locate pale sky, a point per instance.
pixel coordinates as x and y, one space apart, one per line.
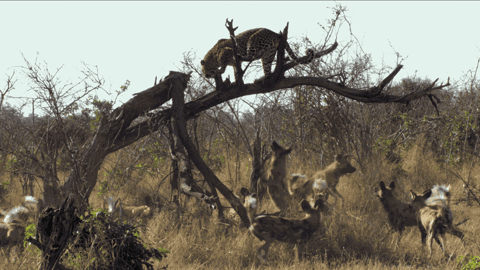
140 40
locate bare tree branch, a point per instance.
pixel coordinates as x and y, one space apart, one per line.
179 119
238 73
192 108
10 85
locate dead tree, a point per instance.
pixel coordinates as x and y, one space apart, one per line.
118 128
259 158
180 130
183 179
55 228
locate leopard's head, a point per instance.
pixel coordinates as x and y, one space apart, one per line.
218 56
208 67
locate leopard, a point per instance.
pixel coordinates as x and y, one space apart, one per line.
253 44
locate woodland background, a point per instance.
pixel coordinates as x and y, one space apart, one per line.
416 144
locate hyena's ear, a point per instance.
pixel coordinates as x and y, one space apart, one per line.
148 200
244 192
427 193
392 185
413 195
117 203
382 185
276 146
286 152
306 206
319 205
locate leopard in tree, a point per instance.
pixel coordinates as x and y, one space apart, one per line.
254 44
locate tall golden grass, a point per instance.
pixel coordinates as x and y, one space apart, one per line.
354 236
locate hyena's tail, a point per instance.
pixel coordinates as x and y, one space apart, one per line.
250 204
292 180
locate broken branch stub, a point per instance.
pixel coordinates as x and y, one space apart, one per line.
238 72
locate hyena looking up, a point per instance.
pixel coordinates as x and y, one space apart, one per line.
323 182
270 228
274 173
434 216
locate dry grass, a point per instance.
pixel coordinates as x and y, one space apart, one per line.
354 236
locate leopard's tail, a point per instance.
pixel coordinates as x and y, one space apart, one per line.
309 52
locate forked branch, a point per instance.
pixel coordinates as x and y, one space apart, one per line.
179 117
238 65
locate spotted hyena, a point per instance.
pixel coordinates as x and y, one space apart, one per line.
203 195
300 188
400 214
273 177
442 192
126 213
434 216
12 229
11 236
322 183
270 228
441 195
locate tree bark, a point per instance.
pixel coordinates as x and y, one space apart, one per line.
54 229
178 118
110 137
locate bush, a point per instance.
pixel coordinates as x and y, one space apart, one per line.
469 262
103 243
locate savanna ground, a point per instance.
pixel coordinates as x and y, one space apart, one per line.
354 236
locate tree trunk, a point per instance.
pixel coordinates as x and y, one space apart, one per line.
178 118
54 229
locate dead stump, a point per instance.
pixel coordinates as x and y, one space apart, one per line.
54 228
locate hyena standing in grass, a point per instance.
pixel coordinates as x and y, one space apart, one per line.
270 228
11 235
300 188
441 196
434 216
322 183
400 214
12 229
273 177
